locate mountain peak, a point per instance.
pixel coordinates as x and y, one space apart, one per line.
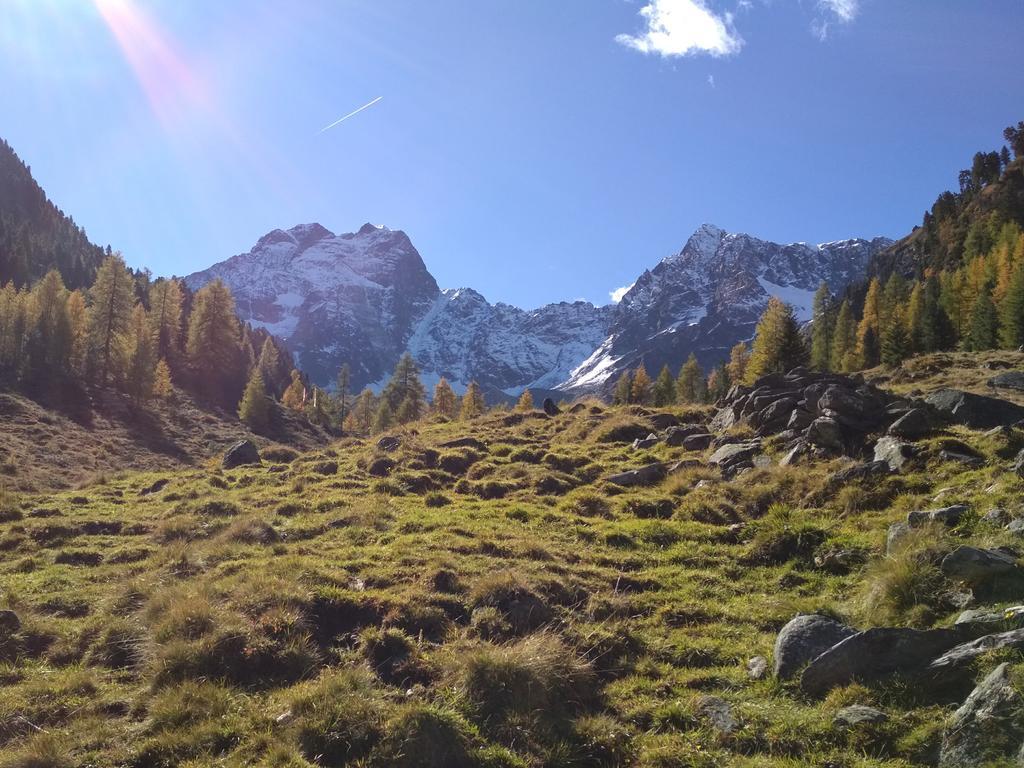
369 229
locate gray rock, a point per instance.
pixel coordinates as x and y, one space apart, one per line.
674 436
858 714
962 458
550 408
851 409
975 565
987 728
861 471
803 639
718 712
725 419
642 444
799 420
975 411
698 442
794 454
735 455
912 425
838 560
876 654
996 516
648 475
1016 526
1018 464
776 414
947 516
241 454
663 421
389 443
979 617
1008 380
826 433
961 655
893 452
757 668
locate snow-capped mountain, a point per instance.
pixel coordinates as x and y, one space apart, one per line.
366 297
710 295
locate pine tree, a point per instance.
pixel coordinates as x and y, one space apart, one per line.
49 343
214 343
163 387
254 408
472 402
410 410
141 358
937 329
294 396
342 395
690 386
718 383
778 346
623 389
525 403
12 329
869 328
113 296
822 329
445 402
894 339
1011 311
165 310
641 391
664 388
269 365
363 411
844 339
914 318
739 358
984 329
894 297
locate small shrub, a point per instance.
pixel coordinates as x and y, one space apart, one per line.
338 718
436 499
426 736
279 454
586 504
392 655
219 508
523 608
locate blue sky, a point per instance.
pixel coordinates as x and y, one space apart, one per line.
535 150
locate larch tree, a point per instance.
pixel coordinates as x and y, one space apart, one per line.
79 330
214 338
623 389
110 315
473 403
254 408
525 403
445 403
894 338
1011 311
641 390
822 329
50 340
983 332
718 383
294 396
870 326
778 345
404 392
664 388
361 418
165 310
844 340
690 386
141 358
269 366
343 393
739 357
163 386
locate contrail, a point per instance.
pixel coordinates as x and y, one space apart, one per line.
350 114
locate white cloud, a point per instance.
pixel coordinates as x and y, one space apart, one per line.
618 293
711 80
841 11
685 28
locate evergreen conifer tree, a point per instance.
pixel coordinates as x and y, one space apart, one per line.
445 402
664 388
165 312
254 408
984 329
363 411
894 338
690 385
473 404
214 343
1011 311
844 339
869 328
342 393
384 419
822 329
113 296
404 392
623 393
141 359
78 330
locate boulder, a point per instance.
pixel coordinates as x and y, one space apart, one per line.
799 420
776 414
894 452
803 639
1008 380
947 516
725 419
674 436
987 728
1018 464
962 458
961 655
863 471
975 565
975 411
642 444
912 425
550 408
389 443
794 454
876 654
858 714
896 533
648 475
735 455
996 516
718 712
663 421
241 454
1016 526
698 442
826 433
852 409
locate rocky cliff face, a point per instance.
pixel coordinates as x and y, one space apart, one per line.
366 297
710 295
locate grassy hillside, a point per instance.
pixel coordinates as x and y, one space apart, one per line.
492 603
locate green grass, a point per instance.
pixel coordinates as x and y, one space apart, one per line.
461 607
